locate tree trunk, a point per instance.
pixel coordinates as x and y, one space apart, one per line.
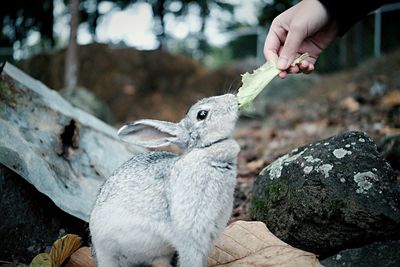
71 57
46 30
159 12
93 21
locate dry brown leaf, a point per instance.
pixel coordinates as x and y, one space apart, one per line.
350 104
252 244
388 130
81 258
256 165
392 98
63 248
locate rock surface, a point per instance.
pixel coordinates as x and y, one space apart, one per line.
329 195
63 151
382 254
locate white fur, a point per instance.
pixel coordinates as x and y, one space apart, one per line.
159 202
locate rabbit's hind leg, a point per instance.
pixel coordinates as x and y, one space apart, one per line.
190 256
145 244
105 259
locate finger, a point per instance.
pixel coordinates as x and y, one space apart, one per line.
272 44
292 44
304 65
283 74
293 69
309 69
312 51
271 55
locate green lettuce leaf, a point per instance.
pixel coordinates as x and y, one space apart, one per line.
254 83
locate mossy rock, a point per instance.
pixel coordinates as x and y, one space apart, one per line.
329 195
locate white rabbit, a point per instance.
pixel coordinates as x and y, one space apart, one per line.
158 202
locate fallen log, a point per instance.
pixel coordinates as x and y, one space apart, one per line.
64 152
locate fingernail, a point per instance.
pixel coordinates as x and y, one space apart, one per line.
281 63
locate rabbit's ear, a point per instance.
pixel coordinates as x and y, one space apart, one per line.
153 133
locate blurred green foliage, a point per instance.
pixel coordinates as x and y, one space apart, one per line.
19 18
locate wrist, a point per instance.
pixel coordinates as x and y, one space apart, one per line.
322 10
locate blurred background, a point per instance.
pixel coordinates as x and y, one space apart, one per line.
124 50
216 32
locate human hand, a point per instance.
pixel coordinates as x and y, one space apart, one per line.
305 27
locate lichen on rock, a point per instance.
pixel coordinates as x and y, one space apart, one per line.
341 153
364 181
275 169
325 169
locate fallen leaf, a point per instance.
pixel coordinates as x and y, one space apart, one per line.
350 104
63 248
256 165
41 260
252 244
81 258
392 98
388 130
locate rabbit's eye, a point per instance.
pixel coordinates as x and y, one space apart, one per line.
202 114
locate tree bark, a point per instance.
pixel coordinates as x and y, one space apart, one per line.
159 12
71 57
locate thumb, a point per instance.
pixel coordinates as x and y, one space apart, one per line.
289 51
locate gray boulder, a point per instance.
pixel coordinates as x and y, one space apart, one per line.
330 195
382 254
64 152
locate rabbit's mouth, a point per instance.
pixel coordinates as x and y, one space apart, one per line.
233 104
214 142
